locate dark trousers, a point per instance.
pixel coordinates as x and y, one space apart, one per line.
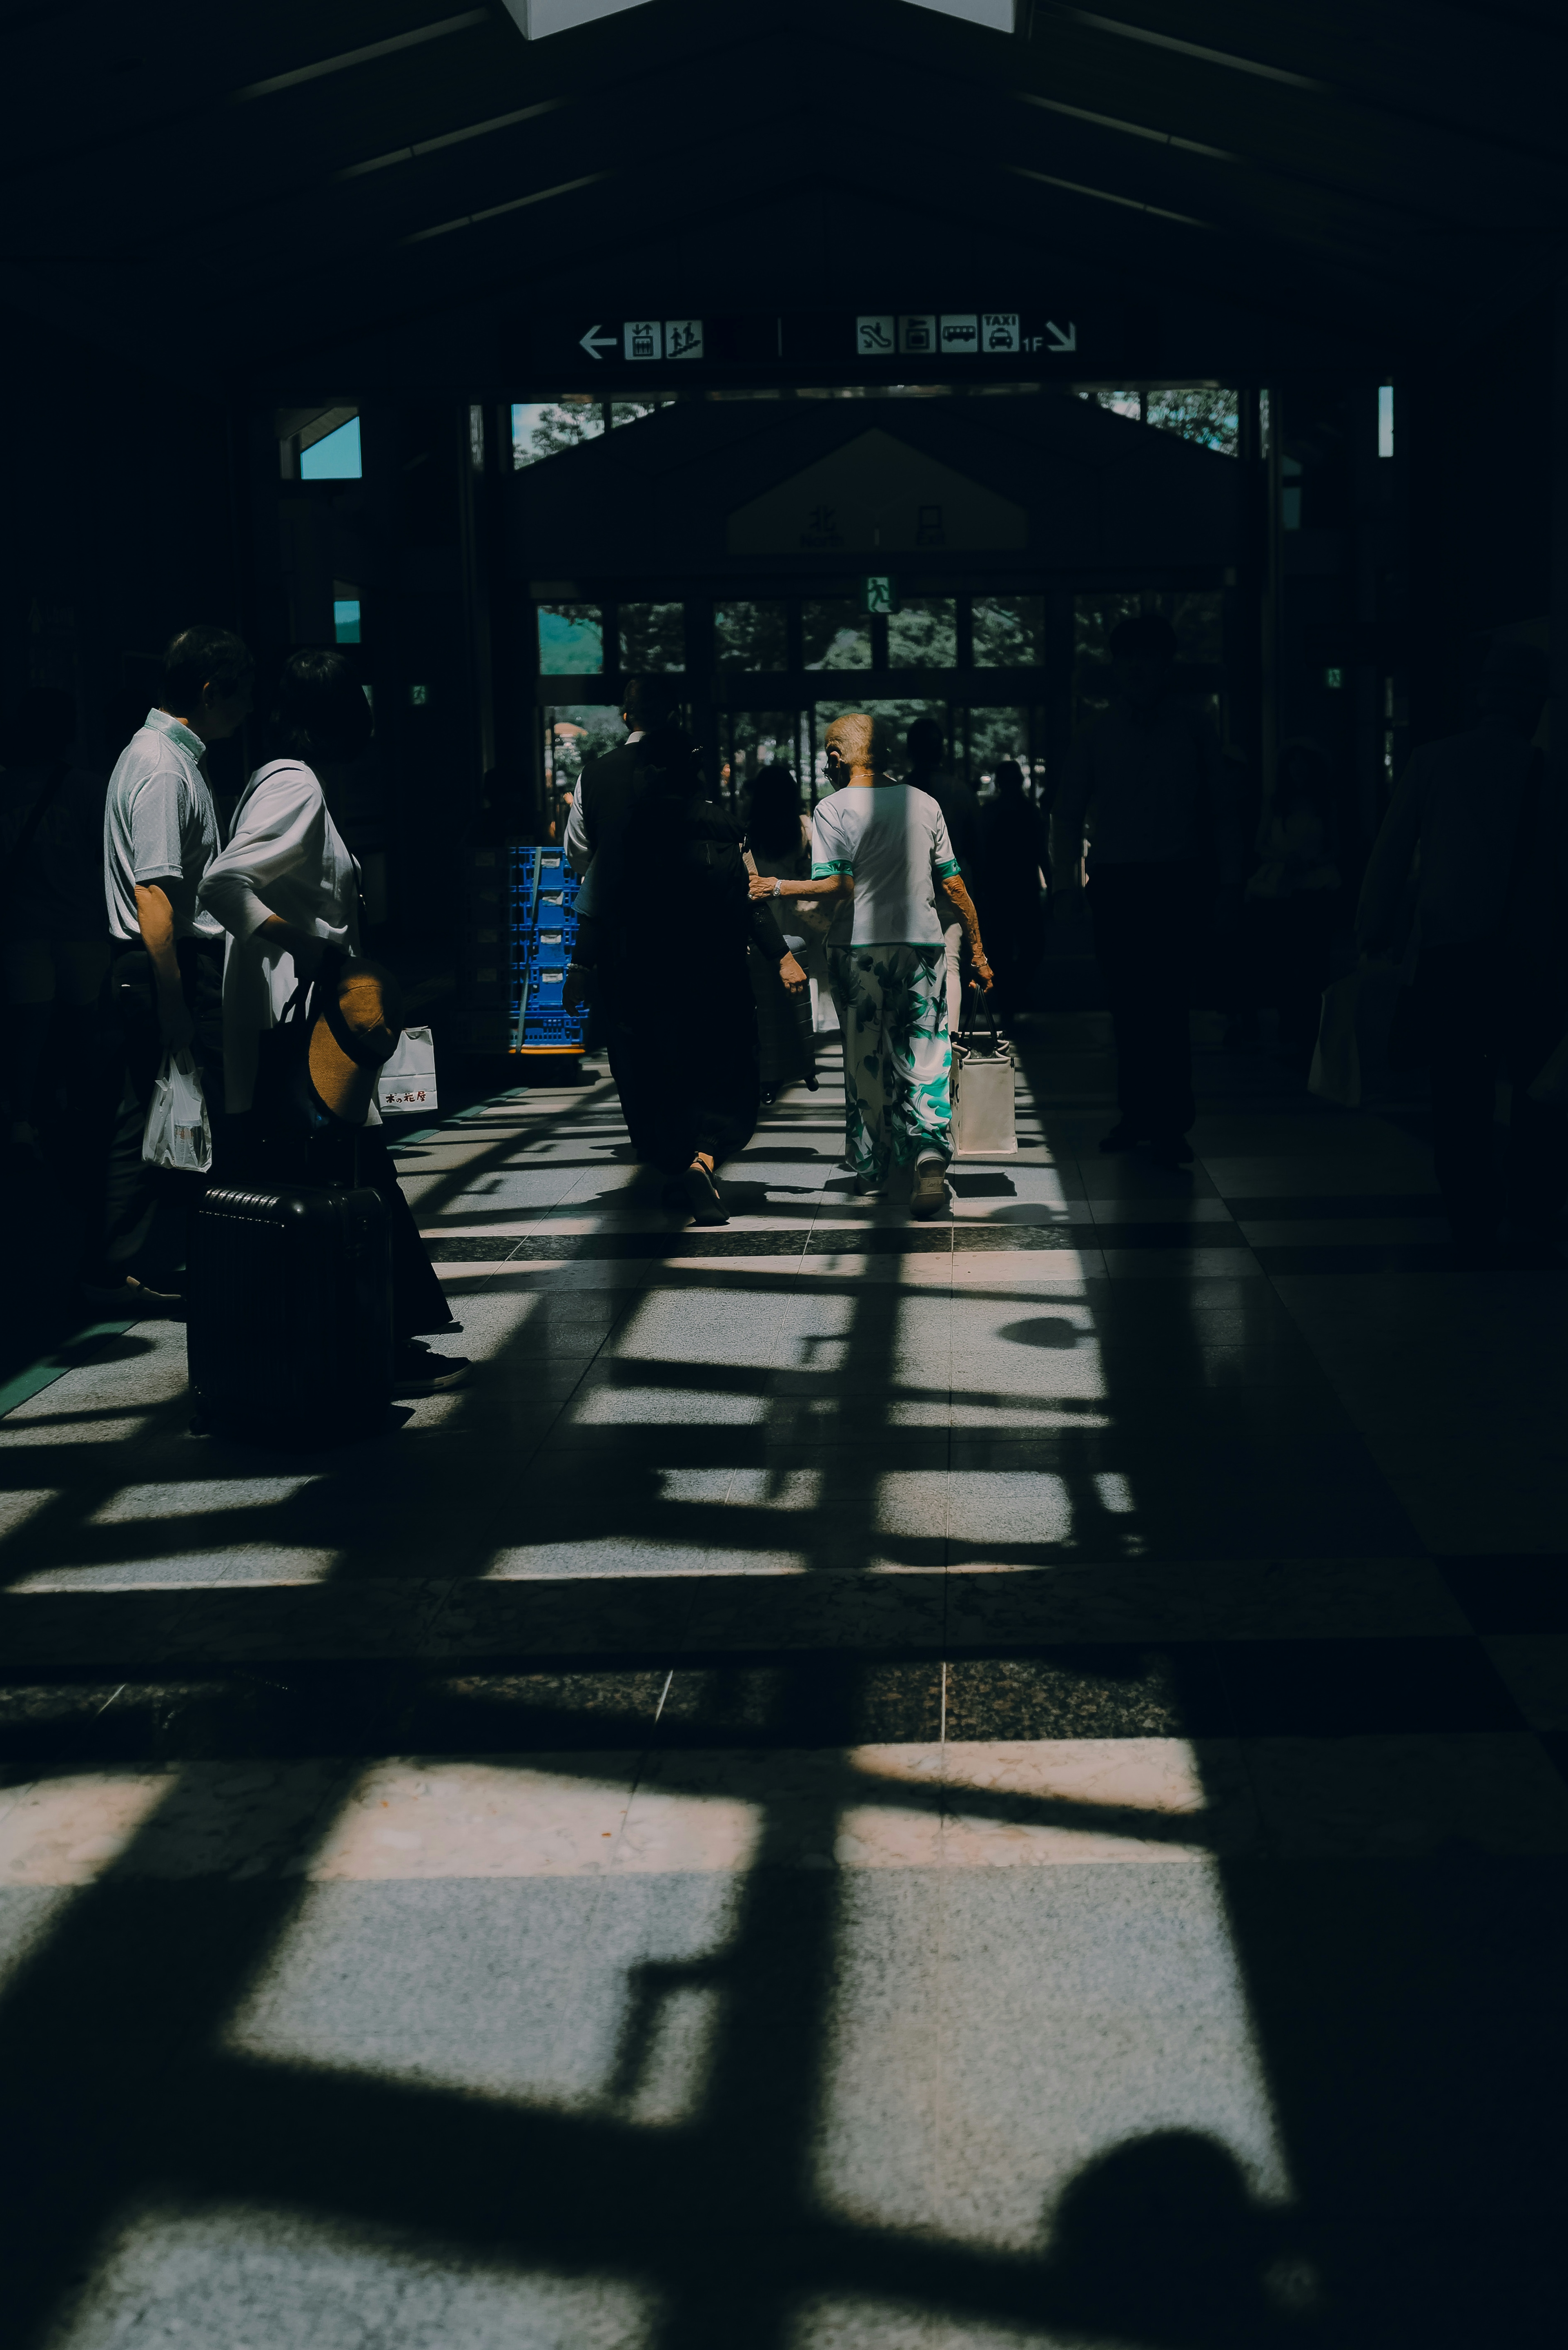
1288 941
1014 933
147 1210
690 1082
419 1301
1143 937
1486 1021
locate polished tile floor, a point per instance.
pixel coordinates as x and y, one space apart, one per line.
891 1787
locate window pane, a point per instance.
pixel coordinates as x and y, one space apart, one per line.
653 636
574 732
1208 413
544 429
1385 419
345 619
759 737
751 636
1199 413
1009 631
1120 403
923 633
571 640
995 736
835 634
334 459
1197 617
627 412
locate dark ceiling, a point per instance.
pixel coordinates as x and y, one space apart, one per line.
309 189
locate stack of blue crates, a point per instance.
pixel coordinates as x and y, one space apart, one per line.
521 926
544 928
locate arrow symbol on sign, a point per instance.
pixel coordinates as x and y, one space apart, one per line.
596 345
1059 341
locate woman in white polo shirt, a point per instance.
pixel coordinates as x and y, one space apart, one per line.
885 846
287 890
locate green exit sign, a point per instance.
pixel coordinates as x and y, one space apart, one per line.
878 596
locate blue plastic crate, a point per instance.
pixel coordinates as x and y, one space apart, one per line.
542 942
542 878
546 988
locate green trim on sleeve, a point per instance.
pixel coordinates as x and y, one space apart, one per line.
947 868
824 872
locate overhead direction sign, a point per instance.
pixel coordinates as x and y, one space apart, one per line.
911 342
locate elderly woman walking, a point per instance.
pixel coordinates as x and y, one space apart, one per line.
885 845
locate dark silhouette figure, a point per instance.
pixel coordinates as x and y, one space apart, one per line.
166 972
1291 900
929 771
1012 856
55 949
1146 780
778 842
662 855
1492 900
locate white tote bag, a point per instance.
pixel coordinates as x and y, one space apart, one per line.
178 1132
408 1081
983 1121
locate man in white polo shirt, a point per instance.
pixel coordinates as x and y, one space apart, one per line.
166 976
885 846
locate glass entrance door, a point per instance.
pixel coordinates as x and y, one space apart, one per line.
1006 674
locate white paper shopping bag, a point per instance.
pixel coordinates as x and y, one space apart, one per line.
408 1081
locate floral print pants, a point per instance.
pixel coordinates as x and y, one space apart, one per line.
892 1001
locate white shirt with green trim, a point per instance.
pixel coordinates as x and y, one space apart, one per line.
893 840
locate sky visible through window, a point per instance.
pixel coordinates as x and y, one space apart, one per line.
336 458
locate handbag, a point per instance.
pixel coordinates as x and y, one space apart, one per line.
984 1080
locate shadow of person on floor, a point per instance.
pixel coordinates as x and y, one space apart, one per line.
1160 2241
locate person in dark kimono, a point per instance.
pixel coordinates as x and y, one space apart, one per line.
686 1068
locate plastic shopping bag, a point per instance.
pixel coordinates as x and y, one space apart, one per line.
408 1081
179 1133
1350 1064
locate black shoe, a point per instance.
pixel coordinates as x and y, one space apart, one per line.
1170 1151
418 1370
1121 1137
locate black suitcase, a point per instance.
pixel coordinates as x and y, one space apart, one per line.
289 1314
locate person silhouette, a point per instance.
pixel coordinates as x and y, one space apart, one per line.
927 771
1491 904
1145 780
1012 855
